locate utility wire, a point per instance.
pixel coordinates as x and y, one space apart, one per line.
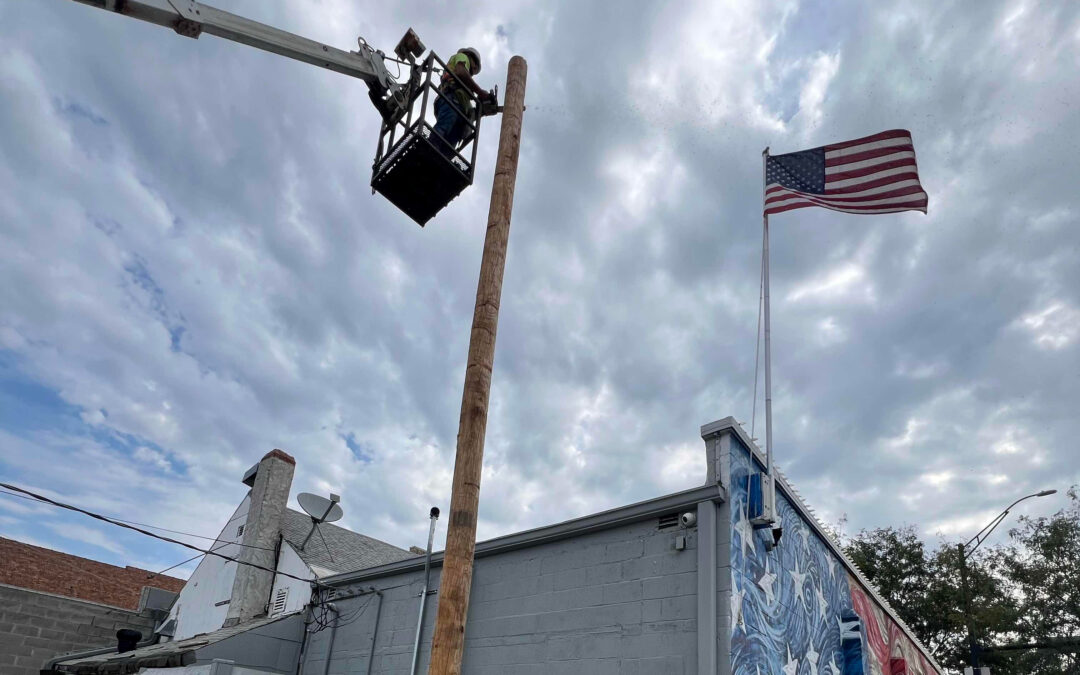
183 562
194 557
111 521
155 527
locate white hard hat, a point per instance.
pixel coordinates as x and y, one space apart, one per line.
474 57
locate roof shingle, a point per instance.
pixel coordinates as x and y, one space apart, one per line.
337 550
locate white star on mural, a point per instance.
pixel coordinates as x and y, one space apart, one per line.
792 665
812 659
766 583
804 534
746 533
823 604
832 567
800 580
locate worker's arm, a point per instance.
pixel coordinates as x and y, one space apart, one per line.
462 71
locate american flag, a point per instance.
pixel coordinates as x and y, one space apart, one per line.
876 174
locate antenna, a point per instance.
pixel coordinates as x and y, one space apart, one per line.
321 510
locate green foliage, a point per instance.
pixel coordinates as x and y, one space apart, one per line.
1042 570
1024 592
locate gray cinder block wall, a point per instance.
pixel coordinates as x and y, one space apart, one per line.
614 593
36 626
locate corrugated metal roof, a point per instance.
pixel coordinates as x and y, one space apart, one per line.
337 550
163 655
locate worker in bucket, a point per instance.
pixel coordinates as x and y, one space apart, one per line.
449 123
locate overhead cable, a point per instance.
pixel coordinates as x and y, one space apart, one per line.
117 523
158 527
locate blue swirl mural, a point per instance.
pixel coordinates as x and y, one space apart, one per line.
786 604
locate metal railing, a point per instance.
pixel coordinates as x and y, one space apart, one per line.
419 121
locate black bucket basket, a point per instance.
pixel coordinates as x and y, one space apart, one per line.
415 168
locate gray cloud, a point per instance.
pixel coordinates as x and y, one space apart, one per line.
191 258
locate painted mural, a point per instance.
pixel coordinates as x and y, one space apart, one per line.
888 650
796 610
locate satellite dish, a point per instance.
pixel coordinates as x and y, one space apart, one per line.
321 509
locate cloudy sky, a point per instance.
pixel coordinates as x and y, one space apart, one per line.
193 270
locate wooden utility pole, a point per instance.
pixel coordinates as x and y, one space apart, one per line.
448 642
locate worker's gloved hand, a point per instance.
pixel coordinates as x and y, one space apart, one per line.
489 96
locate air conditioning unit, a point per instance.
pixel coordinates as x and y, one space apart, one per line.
761 503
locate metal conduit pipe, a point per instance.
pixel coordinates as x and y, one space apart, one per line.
434 515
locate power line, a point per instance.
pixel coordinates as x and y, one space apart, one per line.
117 523
194 557
157 527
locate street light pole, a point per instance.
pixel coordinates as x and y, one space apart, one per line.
965 553
965 601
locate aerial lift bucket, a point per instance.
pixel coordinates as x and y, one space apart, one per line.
415 168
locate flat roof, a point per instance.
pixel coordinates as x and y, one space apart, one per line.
650 508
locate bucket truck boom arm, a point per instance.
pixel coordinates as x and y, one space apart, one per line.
191 19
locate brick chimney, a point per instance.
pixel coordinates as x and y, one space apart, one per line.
270 481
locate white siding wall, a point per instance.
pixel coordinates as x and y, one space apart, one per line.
299 592
196 610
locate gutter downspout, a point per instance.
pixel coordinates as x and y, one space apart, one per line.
708 636
424 592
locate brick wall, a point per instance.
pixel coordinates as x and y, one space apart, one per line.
44 569
621 601
35 627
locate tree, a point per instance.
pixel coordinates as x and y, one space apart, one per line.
924 589
1042 571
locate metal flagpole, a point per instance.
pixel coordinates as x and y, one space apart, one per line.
768 331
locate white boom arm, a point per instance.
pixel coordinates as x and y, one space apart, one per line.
190 19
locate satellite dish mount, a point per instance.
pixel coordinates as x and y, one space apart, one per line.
321 510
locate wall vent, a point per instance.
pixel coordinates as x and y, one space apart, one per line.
668 520
280 599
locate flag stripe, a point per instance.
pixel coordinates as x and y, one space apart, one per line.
861 193
875 162
884 135
908 188
840 160
909 195
869 171
859 185
914 206
873 180
863 147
